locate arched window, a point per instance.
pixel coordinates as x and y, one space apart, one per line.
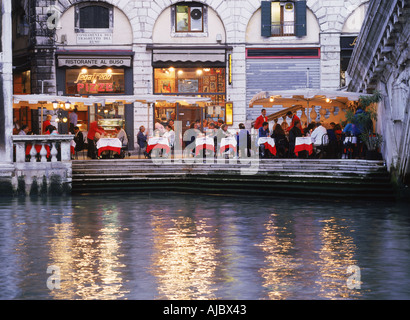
94 16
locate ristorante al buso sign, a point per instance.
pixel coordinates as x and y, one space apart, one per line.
64 61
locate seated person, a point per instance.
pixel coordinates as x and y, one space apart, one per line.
281 142
294 133
122 135
263 132
317 135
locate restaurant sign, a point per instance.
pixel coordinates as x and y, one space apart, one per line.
94 83
65 61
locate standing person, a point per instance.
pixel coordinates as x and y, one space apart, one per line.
73 119
142 141
294 118
261 119
244 141
91 138
47 123
78 139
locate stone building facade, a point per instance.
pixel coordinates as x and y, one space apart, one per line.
381 62
231 43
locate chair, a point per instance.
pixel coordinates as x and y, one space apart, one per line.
323 147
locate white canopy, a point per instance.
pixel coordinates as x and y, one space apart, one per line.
288 98
148 98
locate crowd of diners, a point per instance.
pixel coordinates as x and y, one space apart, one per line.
327 138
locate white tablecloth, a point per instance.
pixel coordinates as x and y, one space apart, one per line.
228 142
109 142
351 140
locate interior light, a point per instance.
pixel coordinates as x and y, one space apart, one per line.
180 72
328 100
68 105
207 69
199 72
109 71
84 70
55 105
271 99
172 69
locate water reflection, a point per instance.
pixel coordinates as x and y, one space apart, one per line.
184 260
202 247
88 258
336 254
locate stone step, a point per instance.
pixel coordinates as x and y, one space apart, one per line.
273 191
342 178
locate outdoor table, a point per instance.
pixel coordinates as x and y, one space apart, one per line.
269 144
158 143
303 144
228 143
109 144
204 143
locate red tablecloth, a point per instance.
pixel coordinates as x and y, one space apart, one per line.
269 144
158 143
38 149
303 144
72 146
228 143
206 143
109 144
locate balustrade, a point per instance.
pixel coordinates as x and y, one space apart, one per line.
42 148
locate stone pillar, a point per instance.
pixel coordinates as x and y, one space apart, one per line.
236 92
330 60
6 83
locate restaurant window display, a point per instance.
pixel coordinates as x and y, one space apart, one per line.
92 81
201 82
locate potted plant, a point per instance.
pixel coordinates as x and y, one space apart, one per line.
363 115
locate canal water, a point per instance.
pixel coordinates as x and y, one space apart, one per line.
168 246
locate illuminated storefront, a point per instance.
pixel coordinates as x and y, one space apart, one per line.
94 75
196 72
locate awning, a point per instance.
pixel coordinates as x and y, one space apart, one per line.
47 100
152 98
318 97
293 100
189 55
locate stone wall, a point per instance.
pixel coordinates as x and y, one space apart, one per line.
380 62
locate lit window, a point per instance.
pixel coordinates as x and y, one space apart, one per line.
280 18
283 18
189 18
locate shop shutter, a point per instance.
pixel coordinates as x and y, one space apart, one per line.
300 14
266 19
